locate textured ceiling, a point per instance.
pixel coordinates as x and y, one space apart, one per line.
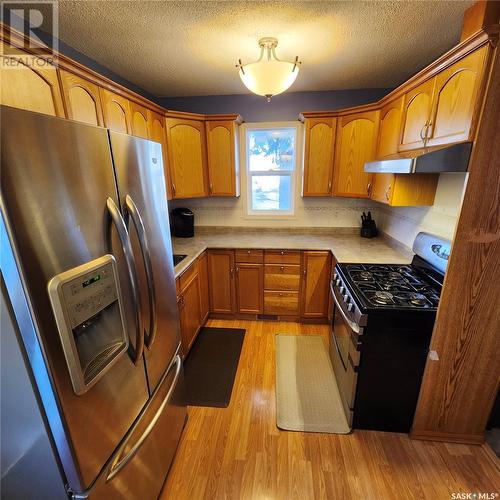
190 48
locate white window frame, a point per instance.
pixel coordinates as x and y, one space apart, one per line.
245 129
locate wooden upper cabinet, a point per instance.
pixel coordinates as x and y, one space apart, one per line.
157 133
416 114
355 145
403 190
116 110
30 83
222 160
139 120
187 157
318 156
315 292
81 98
455 100
389 129
221 273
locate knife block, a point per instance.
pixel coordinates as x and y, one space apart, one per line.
369 229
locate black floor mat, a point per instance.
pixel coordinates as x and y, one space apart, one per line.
210 367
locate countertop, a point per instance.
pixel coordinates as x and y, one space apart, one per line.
345 247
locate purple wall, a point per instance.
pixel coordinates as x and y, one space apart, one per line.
282 107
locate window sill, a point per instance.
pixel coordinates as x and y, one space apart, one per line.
270 217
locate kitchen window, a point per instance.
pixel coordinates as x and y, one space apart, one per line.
270 157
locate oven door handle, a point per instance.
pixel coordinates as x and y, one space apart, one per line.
351 323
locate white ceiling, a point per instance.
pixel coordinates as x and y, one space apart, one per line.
186 48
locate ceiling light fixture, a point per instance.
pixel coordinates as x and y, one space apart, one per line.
268 75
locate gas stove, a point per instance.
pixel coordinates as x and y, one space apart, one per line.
389 286
382 321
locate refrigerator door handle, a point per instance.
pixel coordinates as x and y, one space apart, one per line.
131 208
121 229
119 461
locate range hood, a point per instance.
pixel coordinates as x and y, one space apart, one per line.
448 159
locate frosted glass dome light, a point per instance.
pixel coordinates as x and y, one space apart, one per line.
268 75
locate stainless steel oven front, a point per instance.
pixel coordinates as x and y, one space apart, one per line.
345 342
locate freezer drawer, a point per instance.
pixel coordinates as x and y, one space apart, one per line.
140 465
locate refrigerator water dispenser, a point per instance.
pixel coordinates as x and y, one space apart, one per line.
88 310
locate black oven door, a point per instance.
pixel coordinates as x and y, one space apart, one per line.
344 352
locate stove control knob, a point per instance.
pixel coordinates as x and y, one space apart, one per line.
346 298
350 307
342 289
335 276
337 282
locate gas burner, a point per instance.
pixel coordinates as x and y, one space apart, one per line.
417 299
362 276
383 298
425 289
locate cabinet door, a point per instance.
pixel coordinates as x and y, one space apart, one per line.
382 187
416 115
139 120
456 99
157 133
249 288
315 291
204 293
190 316
187 157
221 281
28 82
389 128
318 156
81 98
355 145
222 162
116 110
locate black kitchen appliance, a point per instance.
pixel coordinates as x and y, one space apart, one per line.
382 325
182 222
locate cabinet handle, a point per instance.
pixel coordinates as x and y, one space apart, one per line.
249 252
369 187
423 134
329 185
237 269
231 272
428 135
282 252
282 268
173 189
387 195
211 188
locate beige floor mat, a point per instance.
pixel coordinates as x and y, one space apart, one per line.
307 396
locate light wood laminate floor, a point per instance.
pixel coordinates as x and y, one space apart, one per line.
239 453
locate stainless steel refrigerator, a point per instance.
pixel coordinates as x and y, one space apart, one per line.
87 264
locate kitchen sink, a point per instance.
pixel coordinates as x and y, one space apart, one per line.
178 258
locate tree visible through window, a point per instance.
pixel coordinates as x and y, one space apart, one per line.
270 169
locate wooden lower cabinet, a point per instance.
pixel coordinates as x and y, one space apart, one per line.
221 271
315 291
281 303
189 312
204 290
249 286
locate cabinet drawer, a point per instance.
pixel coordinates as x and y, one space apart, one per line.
282 257
250 256
187 275
284 277
281 302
